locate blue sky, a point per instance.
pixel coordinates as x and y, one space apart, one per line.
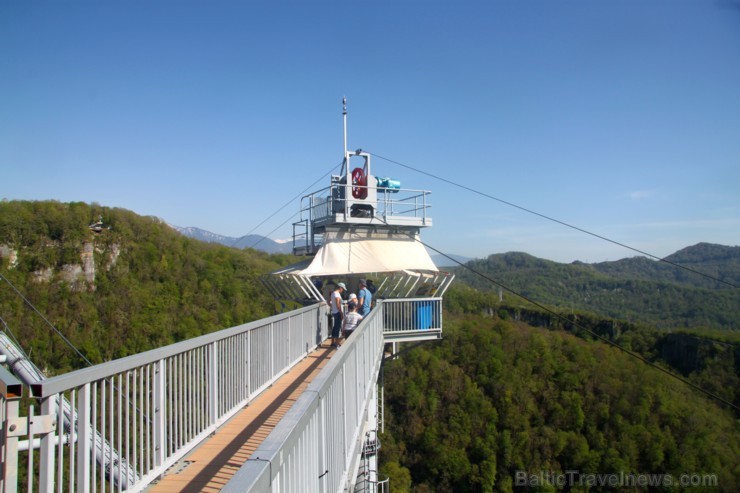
619 117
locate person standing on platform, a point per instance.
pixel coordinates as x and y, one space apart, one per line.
337 314
351 320
364 299
371 287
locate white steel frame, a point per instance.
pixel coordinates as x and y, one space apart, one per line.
155 407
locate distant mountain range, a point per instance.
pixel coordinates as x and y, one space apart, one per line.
633 289
256 242
271 246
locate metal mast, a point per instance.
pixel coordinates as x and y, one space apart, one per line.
344 116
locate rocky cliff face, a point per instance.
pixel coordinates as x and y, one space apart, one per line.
80 276
10 254
689 354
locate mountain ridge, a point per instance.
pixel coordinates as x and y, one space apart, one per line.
256 242
632 289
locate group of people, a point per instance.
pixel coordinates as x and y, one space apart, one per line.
358 307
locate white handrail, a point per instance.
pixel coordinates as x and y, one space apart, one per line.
319 441
155 407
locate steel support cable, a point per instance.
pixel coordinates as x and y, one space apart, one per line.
579 326
281 208
13 337
276 228
102 449
563 223
58 332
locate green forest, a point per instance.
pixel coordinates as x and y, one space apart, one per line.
511 389
634 289
497 396
152 286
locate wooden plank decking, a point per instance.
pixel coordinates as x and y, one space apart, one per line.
210 466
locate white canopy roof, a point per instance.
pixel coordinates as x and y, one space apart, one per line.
359 253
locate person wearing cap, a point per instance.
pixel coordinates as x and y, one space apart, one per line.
351 320
337 314
364 299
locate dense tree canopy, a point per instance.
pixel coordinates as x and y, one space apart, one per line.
497 397
151 285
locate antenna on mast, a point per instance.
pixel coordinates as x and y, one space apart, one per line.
344 116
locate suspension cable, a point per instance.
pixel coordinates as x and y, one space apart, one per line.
57 331
563 223
575 323
280 209
582 327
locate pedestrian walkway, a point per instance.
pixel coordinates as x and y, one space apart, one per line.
212 464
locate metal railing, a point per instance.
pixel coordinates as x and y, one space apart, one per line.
383 485
154 407
11 391
145 412
379 485
412 319
403 202
317 445
397 207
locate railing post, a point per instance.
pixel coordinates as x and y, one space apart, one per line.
248 355
159 413
12 428
322 427
213 383
10 449
271 349
84 439
46 457
345 429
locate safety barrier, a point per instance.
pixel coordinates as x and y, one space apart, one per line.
318 443
11 390
154 407
403 203
141 414
327 206
412 319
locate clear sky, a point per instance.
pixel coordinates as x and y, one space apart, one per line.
619 117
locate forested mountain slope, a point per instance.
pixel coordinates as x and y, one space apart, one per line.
133 286
635 289
494 397
717 261
497 398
